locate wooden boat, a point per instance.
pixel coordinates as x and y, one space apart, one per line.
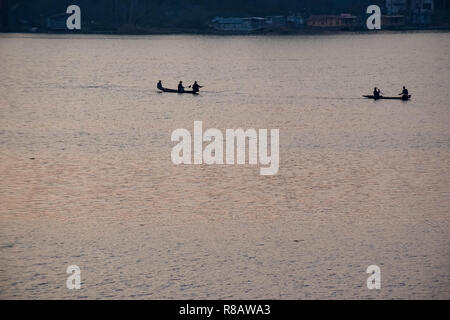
176 91
404 98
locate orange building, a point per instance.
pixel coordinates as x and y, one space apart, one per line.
343 21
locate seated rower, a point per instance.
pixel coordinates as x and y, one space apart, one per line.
159 85
404 92
196 87
376 93
180 87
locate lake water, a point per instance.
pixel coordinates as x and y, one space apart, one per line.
87 178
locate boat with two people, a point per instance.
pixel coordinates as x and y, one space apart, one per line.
377 95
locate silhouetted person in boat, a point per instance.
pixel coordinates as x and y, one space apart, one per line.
404 92
196 87
159 85
376 93
180 87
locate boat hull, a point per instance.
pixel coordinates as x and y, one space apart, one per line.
404 98
176 91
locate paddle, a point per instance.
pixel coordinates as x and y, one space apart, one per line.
198 86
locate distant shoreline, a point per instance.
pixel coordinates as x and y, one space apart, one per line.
175 31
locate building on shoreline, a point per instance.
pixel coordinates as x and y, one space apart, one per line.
422 12
250 24
295 21
342 22
253 24
57 22
396 6
277 22
418 12
393 22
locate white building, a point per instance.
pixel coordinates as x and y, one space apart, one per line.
237 24
295 20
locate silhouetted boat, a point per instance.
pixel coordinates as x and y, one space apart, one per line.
176 91
404 98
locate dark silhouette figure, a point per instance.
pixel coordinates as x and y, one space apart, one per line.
180 87
376 93
159 85
404 92
196 87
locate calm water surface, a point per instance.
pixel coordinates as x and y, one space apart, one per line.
87 179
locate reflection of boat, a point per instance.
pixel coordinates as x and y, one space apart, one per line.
176 91
404 98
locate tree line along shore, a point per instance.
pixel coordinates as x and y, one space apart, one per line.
218 16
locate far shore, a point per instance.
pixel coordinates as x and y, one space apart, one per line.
179 31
